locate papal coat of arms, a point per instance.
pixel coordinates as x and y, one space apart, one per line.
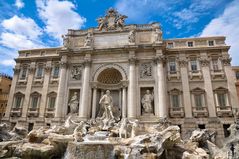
111 21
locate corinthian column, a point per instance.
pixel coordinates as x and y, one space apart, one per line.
94 102
183 63
43 103
124 103
28 89
205 64
132 89
61 88
85 92
162 105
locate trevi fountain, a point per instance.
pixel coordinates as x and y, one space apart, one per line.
110 136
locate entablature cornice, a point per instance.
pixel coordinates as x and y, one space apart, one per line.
45 58
185 49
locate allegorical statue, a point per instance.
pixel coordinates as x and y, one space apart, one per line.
73 104
106 102
88 40
147 102
131 36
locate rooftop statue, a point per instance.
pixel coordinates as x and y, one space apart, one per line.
111 21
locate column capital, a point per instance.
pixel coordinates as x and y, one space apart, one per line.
132 60
226 60
159 59
204 61
183 62
87 62
94 85
16 70
124 83
63 64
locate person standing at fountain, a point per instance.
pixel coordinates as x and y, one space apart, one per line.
147 102
73 104
106 102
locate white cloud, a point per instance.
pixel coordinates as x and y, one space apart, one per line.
19 4
20 33
22 26
59 16
17 41
194 11
227 25
8 62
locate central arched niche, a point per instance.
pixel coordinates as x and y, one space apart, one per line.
110 76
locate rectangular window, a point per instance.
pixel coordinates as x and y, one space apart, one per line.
24 73
34 102
56 71
194 65
18 102
175 101
170 45
198 100
221 99
52 101
172 67
190 44
210 43
39 71
215 65
237 75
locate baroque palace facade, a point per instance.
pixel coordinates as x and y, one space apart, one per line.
189 81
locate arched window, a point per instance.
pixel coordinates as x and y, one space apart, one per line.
39 71
175 99
198 98
221 97
23 73
51 101
35 100
18 100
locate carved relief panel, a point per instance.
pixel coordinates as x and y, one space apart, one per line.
76 72
146 70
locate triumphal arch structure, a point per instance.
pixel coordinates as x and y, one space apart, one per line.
189 81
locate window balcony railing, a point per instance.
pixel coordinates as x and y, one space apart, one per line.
16 112
50 112
176 112
195 73
33 112
200 111
217 73
224 111
173 75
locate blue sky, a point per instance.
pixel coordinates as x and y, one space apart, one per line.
26 24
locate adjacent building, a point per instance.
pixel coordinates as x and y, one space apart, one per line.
236 69
5 85
191 79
